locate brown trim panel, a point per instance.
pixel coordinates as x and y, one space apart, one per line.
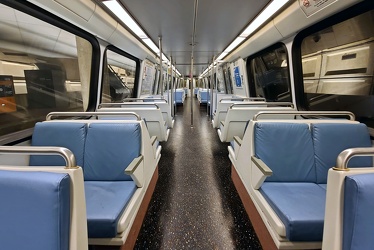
136 226
263 234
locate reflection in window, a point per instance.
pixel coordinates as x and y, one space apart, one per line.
337 65
268 75
221 81
41 70
119 76
227 76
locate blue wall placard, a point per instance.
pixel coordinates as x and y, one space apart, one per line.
238 79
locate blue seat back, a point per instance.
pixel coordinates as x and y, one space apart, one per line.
358 219
330 139
179 96
204 95
38 217
110 148
287 149
60 134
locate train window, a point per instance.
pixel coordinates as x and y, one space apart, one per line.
43 68
118 78
227 76
155 83
337 66
221 82
269 75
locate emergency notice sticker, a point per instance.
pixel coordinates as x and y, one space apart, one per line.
310 7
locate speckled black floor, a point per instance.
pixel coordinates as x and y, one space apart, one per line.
195 204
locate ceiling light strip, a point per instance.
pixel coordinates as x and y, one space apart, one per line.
118 10
264 16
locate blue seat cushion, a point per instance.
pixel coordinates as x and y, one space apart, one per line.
330 139
324 186
34 210
300 206
70 135
179 97
110 148
358 225
287 149
105 202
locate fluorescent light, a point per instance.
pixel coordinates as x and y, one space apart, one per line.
235 43
223 54
122 14
268 12
164 58
151 45
206 70
264 16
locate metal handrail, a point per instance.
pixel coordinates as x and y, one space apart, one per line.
115 104
320 113
346 155
263 103
38 150
142 99
243 98
102 113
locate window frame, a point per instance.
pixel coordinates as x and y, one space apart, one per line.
300 96
251 83
43 15
125 54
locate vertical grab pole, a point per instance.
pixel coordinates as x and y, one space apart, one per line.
168 84
211 90
175 84
192 51
171 87
208 91
161 73
191 86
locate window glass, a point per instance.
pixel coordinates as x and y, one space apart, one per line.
155 83
227 75
42 69
119 77
221 82
269 75
337 65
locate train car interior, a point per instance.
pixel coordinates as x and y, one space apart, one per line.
201 124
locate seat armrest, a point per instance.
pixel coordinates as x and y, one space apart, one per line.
260 171
135 170
153 139
237 140
371 131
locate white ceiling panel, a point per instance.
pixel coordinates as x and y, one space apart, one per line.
218 23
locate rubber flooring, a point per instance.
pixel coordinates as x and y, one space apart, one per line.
195 204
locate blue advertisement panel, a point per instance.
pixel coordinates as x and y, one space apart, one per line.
238 79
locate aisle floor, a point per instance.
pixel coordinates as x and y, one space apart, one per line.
195 204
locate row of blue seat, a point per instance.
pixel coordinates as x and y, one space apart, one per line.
288 173
300 158
118 166
103 151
